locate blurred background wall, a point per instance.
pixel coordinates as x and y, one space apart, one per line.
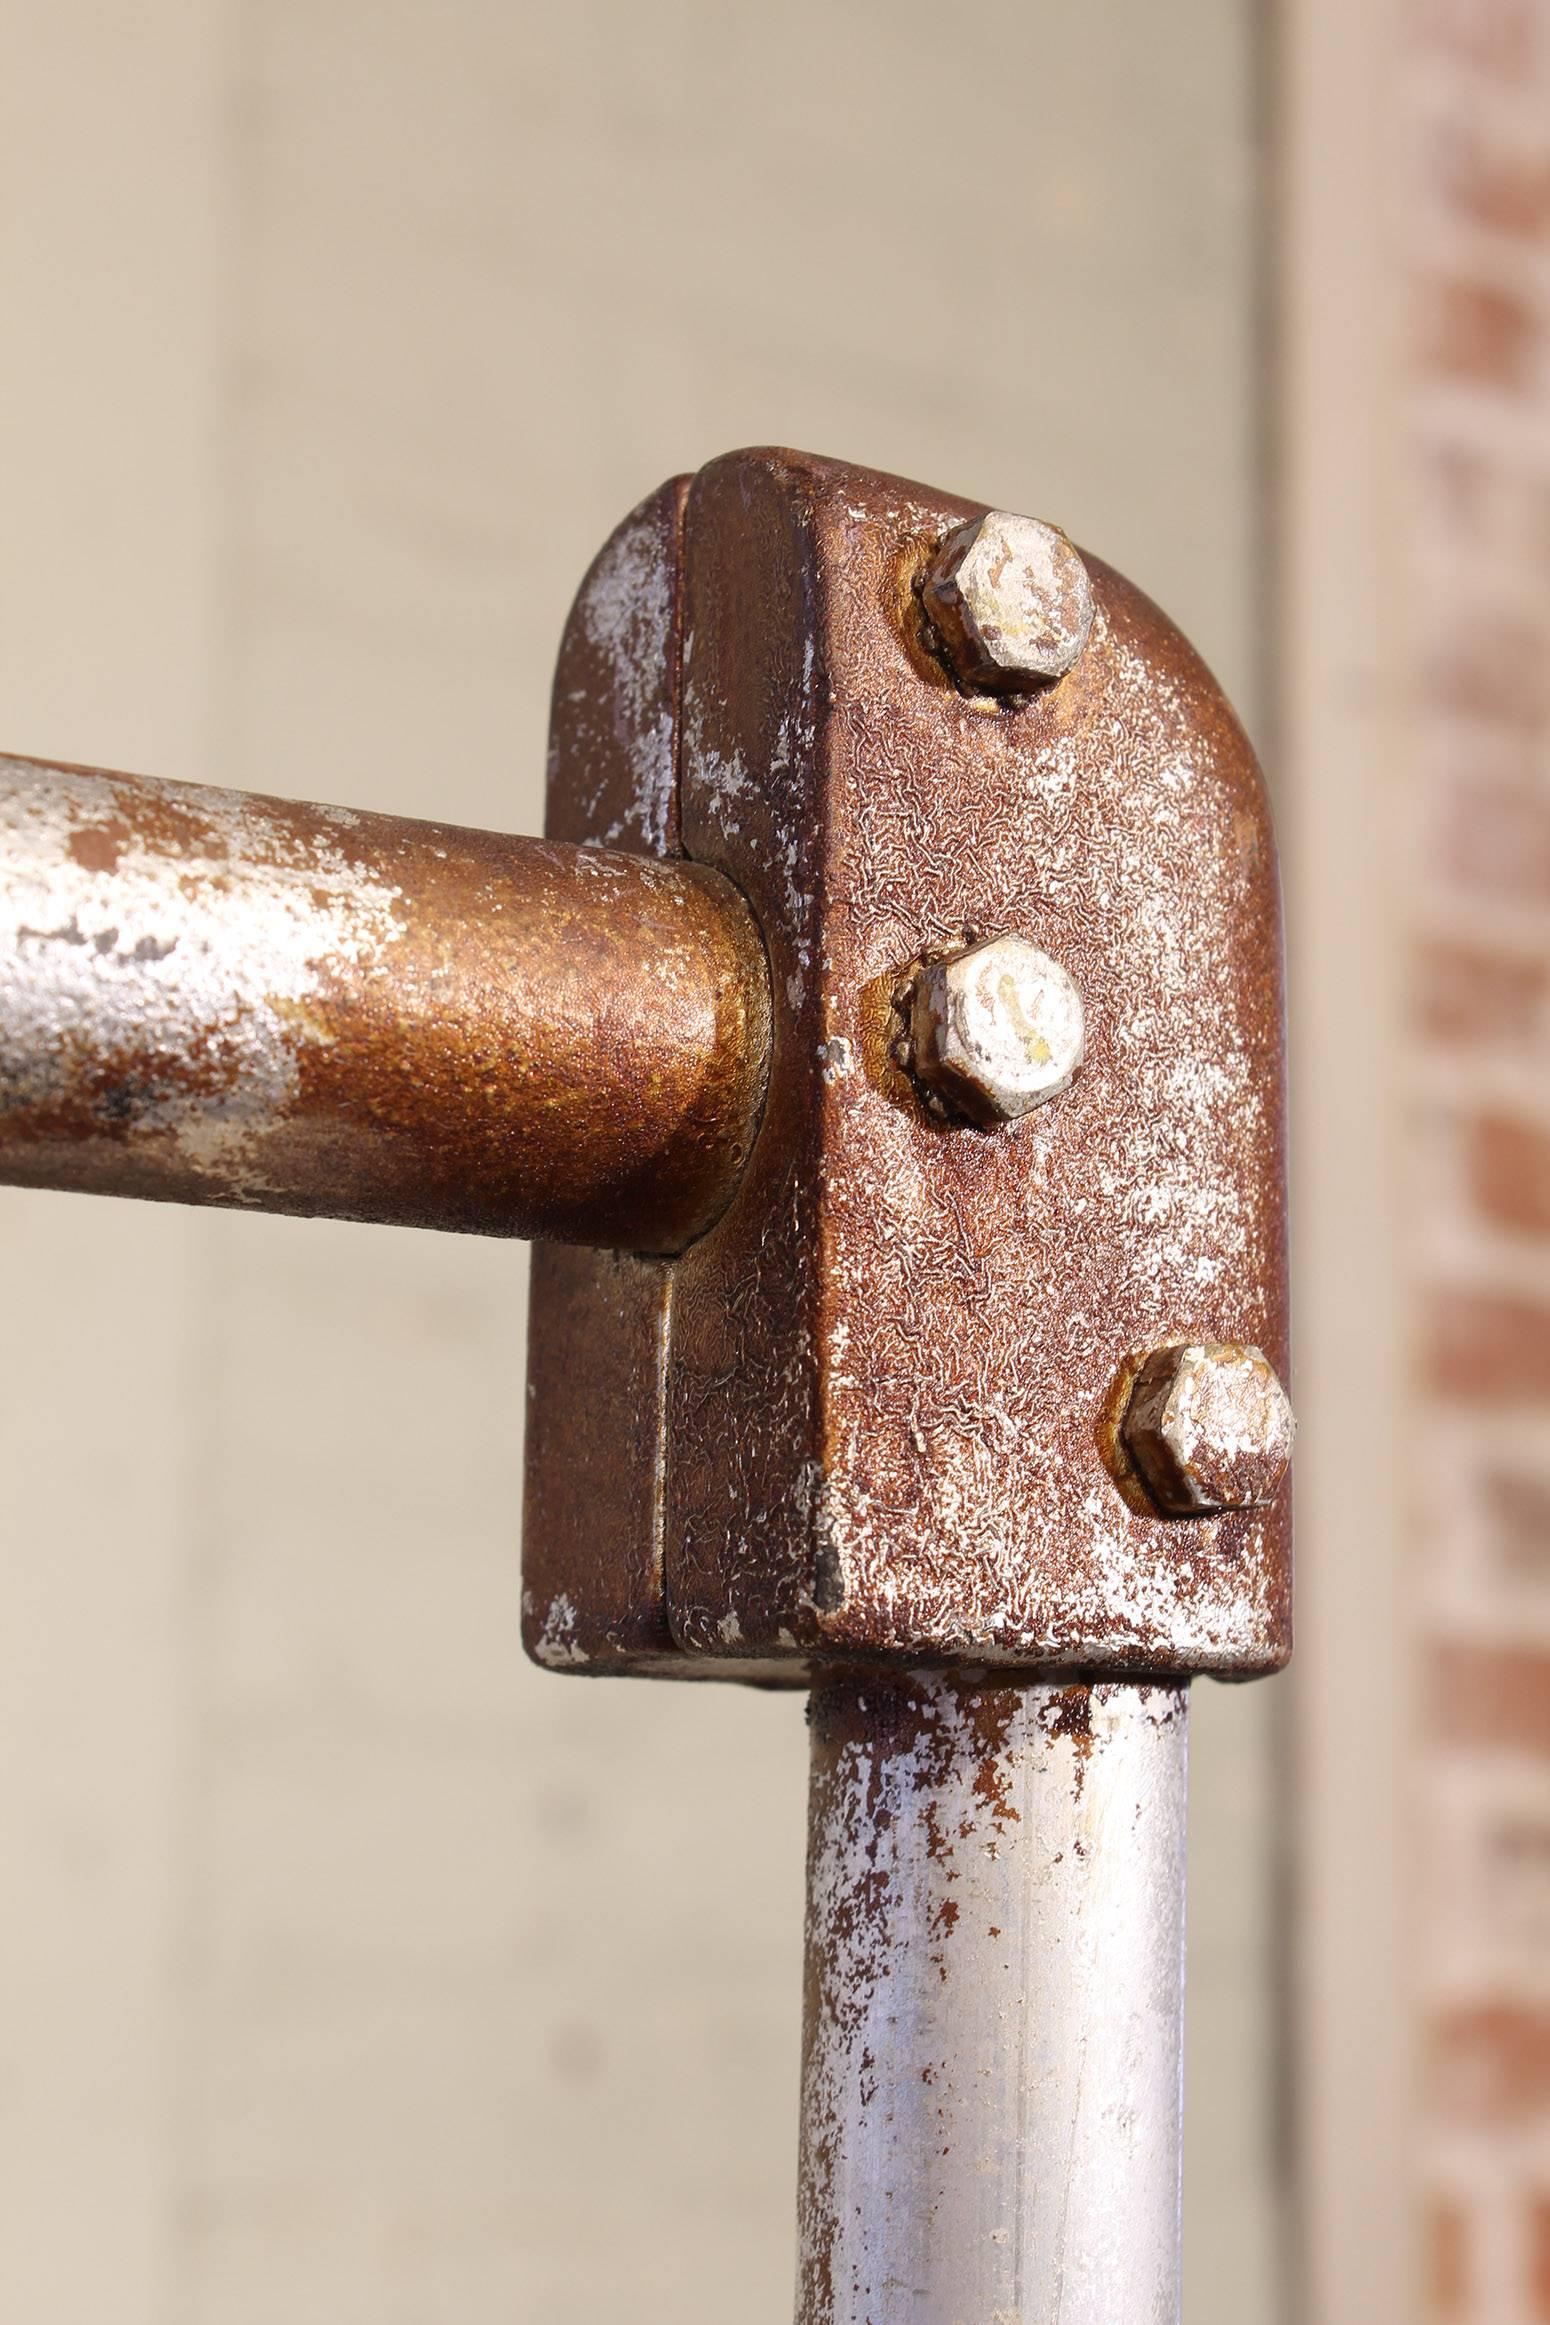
1413 639
351 1970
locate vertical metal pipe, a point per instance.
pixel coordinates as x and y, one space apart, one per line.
991 2089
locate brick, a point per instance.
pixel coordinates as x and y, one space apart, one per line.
1478 331
1486 1348
1514 1903
1495 840
1507 1167
1491 1699
1457 479
1489 2063
1468 500
1539 2258
1497 36
1501 188
1475 994
1490 666
1447 2261
1517 1509
1503 1897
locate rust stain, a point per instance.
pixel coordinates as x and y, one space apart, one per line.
1070 1714
98 848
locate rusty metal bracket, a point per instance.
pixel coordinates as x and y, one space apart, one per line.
878 1410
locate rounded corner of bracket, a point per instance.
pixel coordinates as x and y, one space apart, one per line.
1180 681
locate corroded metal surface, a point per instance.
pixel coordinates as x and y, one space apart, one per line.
1209 1427
991 2073
213 998
592 1588
891 1378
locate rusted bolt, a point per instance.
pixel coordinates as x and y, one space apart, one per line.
1209 1427
1012 601
994 1030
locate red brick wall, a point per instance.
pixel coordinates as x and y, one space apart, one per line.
1475 560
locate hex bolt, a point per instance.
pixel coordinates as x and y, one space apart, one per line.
994 1030
1209 1427
1012 601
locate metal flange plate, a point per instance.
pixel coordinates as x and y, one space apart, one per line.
876 1410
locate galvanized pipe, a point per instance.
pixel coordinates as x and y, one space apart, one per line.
207 997
991 2089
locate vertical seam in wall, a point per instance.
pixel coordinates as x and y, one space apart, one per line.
201 1504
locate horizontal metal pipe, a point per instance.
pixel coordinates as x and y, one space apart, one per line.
208 997
991 2089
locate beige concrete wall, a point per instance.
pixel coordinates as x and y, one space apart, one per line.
351 1970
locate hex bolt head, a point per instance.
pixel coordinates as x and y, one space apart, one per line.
1012 600
994 1030
1209 1427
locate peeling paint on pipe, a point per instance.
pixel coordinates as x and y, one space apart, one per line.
209 997
991 2091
